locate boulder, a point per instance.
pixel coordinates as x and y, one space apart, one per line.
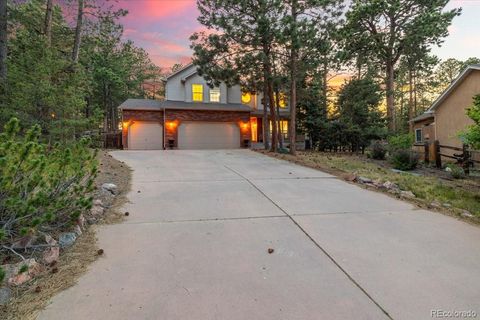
364 180
110 187
66 239
15 277
97 210
24 242
350 177
5 295
51 254
467 214
98 202
77 230
390 185
447 205
435 204
407 194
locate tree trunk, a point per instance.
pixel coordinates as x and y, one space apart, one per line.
279 129
3 42
48 22
415 94
410 98
266 127
78 32
389 82
273 116
293 82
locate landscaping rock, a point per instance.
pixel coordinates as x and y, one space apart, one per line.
390 185
446 205
350 177
16 278
81 221
98 202
435 204
407 194
51 254
466 214
97 210
364 180
67 239
110 187
5 295
24 242
77 230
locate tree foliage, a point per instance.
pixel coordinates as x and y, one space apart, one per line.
472 134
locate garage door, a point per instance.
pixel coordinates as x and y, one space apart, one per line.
208 135
143 135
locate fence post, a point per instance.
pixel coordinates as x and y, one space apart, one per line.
426 150
438 157
466 159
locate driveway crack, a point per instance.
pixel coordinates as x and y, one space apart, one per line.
329 256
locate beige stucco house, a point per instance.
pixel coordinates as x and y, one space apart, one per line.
447 115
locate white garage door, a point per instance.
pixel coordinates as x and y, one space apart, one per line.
144 135
208 135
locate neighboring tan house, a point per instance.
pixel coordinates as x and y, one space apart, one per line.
194 116
447 116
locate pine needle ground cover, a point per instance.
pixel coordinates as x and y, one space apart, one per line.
431 191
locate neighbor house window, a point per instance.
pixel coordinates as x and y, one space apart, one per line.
215 95
246 97
197 92
282 100
418 135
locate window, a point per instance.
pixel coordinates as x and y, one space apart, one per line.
215 95
197 92
418 135
282 100
283 128
246 97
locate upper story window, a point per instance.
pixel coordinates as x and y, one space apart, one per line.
197 92
282 100
215 95
246 97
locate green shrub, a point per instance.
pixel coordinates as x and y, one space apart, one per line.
44 188
455 171
404 160
400 142
378 150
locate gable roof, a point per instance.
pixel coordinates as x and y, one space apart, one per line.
453 85
180 70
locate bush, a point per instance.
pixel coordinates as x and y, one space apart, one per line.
43 188
400 142
455 171
404 160
378 150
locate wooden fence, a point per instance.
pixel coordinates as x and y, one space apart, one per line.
465 157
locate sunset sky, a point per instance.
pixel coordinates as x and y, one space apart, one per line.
163 27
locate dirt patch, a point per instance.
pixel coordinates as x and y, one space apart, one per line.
29 299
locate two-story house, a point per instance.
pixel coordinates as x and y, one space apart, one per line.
195 116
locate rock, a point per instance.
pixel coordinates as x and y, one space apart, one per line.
350 177
364 180
270 250
51 255
466 214
110 187
5 295
77 230
407 194
98 202
389 185
16 278
446 205
24 242
448 169
81 221
435 204
67 239
97 210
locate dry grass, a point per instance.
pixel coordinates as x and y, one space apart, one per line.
28 300
461 195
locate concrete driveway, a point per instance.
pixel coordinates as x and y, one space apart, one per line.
195 247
